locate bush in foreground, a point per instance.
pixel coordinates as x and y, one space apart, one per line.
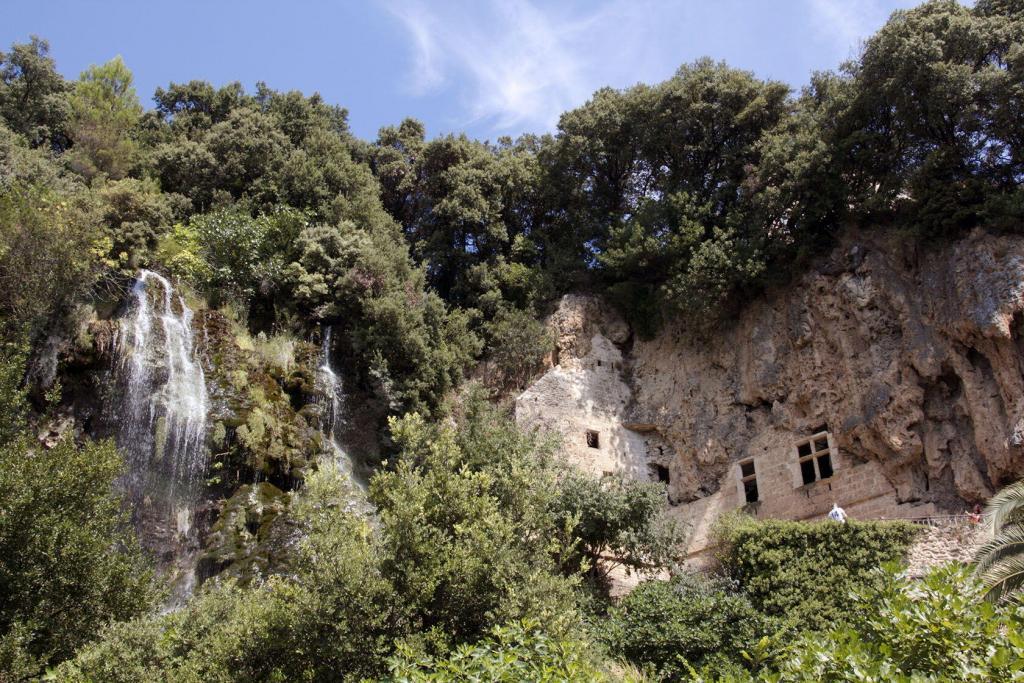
691 622
799 574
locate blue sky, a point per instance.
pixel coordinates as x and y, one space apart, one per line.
487 67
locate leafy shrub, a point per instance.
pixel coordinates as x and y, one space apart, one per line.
619 521
901 629
331 619
517 343
49 248
689 622
67 566
799 573
180 254
246 255
463 541
519 651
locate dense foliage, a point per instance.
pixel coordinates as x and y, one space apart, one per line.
520 651
67 565
465 539
799 574
932 629
687 624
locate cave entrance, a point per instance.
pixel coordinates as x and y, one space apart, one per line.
659 473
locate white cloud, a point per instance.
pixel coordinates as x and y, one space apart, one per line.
427 71
518 65
847 23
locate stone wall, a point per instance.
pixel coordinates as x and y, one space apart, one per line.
859 487
952 539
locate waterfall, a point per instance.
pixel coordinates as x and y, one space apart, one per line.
333 404
162 420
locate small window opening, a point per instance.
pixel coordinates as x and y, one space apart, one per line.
748 476
659 473
807 470
598 363
825 466
815 457
593 439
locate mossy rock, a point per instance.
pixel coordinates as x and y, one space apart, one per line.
250 536
267 431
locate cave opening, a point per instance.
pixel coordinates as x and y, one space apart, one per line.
659 473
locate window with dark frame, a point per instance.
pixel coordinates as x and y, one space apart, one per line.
815 457
748 476
593 439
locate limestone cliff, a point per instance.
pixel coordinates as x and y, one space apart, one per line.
911 358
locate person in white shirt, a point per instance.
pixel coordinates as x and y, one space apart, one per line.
837 514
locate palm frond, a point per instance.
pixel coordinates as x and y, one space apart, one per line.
1004 578
1002 506
1008 543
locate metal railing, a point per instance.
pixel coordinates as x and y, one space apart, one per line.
963 519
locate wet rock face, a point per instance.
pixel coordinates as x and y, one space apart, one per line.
916 365
912 359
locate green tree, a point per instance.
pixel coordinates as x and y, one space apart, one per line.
616 522
105 112
688 623
396 162
50 244
412 347
518 344
33 96
929 130
135 214
461 203
654 182
247 255
468 539
67 566
220 145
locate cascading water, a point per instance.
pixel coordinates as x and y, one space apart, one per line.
332 419
163 419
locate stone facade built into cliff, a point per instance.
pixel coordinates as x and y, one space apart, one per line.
887 380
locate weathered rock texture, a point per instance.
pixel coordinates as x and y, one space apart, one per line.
586 393
912 361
